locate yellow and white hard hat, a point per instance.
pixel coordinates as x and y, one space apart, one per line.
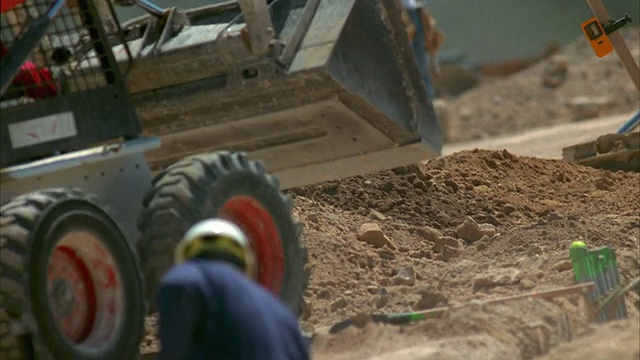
220 236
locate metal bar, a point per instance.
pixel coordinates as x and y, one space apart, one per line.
618 43
615 273
630 124
549 294
599 280
616 295
151 8
299 32
78 158
405 318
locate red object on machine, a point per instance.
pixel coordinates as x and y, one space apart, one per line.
38 83
9 4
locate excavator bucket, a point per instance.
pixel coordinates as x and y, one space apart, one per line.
338 93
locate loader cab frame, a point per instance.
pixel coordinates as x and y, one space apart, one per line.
89 104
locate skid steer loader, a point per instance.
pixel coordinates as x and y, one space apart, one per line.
112 145
620 150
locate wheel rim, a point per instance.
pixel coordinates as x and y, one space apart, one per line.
85 290
266 242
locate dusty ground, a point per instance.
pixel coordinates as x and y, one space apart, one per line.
522 101
528 209
535 208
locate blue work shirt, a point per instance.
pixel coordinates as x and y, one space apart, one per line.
209 310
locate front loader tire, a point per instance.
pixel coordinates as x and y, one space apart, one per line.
227 185
69 281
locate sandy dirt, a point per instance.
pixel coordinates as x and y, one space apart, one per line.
530 210
478 225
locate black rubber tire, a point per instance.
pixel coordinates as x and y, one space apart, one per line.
30 227
195 188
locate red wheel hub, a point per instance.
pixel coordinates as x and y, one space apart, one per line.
72 294
259 226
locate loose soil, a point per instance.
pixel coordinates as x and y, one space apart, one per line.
537 207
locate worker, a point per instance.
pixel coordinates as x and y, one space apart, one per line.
31 81
418 41
210 308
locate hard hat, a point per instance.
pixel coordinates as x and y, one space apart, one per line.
219 236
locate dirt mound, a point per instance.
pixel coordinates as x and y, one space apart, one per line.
522 101
510 331
490 186
471 226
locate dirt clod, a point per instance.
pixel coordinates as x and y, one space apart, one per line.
373 235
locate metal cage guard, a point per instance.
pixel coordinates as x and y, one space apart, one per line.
53 101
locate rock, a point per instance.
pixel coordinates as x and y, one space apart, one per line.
492 220
502 276
314 218
563 265
483 243
527 284
507 209
443 241
373 235
488 230
429 233
584 107
371 262
555 73
450 252
386 254
376 215
406 276
324 294
401 170
533 250
470 231
603 183
361 320
554 216
431 299
382 298
372 289
307 329
338 304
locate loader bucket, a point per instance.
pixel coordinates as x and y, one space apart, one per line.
350 101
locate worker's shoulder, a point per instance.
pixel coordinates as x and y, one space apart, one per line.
183 274
194 272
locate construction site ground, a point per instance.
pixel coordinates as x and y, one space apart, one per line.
529 210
